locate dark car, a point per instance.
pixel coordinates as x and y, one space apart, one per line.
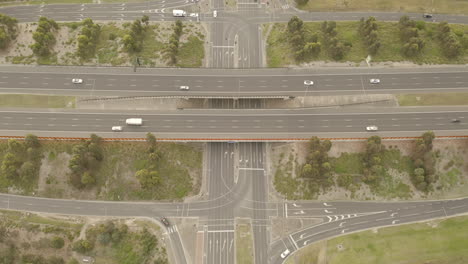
455 120
427 15
165 221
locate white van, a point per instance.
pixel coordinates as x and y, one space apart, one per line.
117 128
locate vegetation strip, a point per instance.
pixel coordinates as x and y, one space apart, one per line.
420 42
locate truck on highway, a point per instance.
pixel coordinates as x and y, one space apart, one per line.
134 121
179 13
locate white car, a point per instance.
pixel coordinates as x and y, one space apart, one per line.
193 15
184 87
77 81
285 253
117 128
215 13
374 81
307 82
372 128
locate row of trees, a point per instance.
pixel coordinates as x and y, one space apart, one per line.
409 34
172 48
317 169
44 36
133 40
424 162
373 167
88 38
149 176
336 48
20 165
451 46
368 31
8 27
303 47
86 158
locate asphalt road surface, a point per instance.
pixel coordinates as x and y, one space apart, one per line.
219 224
162 12
232 86
339 217
267 122
343 218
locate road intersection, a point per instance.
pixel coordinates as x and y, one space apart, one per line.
237 172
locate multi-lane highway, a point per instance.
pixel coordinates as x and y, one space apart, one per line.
268 122
260 83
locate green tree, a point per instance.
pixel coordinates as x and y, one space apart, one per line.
145 19
301 2
82 246
73 261
31 141
312 49
87 178
4 38
10 166
148 179
57 242
150 139
295 25
28 171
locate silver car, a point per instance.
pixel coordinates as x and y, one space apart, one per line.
372 128
374 81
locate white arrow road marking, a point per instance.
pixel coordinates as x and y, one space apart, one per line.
326 204
393 215
295 205
300 212
328 212
230 246
329 218
394 221
336 217
344 230
342 223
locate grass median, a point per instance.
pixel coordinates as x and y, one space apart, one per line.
36 101
438 241
433 99
244 242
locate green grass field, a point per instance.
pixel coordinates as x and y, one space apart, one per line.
433 99
417 6
191 53
36 101
420 243
280 53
